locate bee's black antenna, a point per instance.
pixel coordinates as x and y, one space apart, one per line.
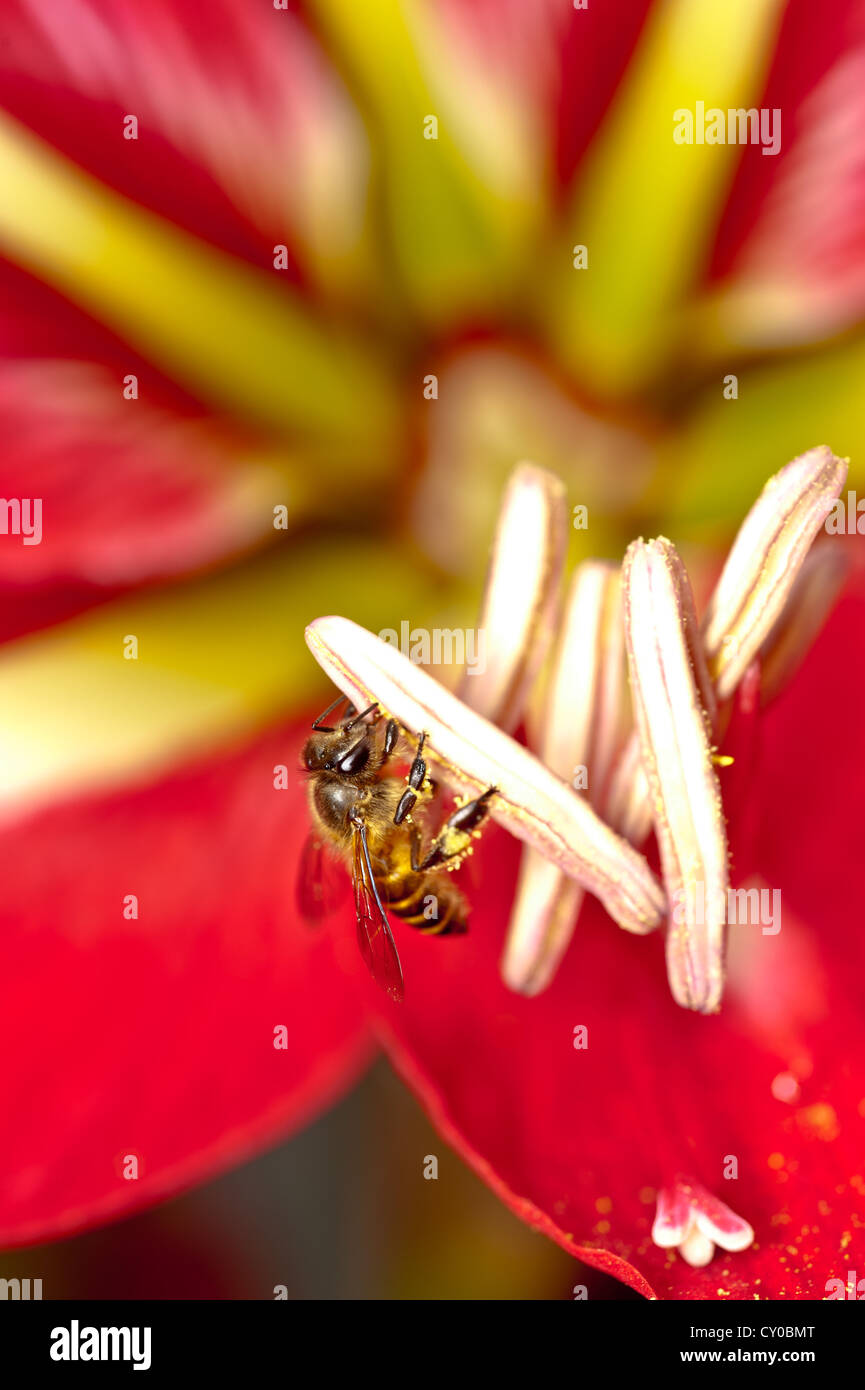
317 724
358 717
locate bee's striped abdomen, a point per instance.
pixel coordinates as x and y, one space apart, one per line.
428 902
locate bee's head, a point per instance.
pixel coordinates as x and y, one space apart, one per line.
344 751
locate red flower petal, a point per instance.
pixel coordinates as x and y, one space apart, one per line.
154 1037
597 47
149 1039
816 764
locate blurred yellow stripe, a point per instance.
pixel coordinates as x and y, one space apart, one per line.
715 464
646 207
217 659
235 338
461 207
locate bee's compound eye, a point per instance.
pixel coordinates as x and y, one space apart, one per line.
354 759
315 755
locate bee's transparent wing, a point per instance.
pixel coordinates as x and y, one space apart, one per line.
321 881
374 935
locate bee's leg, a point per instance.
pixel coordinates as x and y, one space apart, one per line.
417 856
391 737
454 839
416 779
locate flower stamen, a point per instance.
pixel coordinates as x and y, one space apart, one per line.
521 597
579 732
773 594
765 559
674 710
693 1221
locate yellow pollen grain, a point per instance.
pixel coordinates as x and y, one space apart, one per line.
647 1195
820 1121
603 1205
602 1228
776 1161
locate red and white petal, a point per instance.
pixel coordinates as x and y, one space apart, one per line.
129 490
672 1218
789 264
245 133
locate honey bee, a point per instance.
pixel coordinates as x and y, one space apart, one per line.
361 812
